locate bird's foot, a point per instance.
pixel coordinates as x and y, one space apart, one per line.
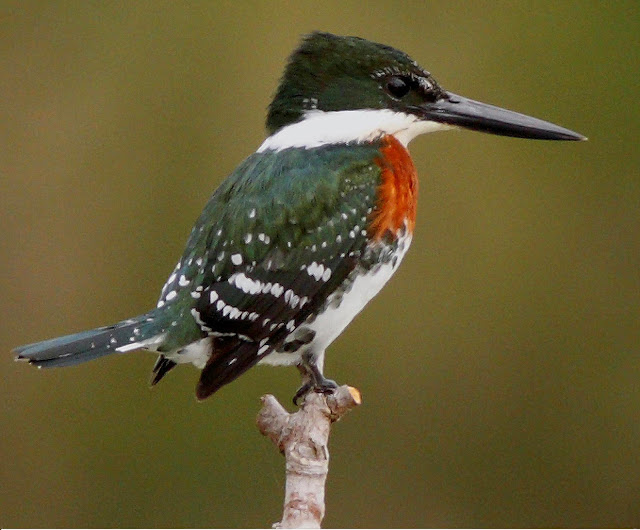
312 378
321 386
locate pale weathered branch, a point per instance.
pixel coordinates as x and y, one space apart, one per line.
303 437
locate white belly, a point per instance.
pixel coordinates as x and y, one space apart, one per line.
196 353
329 324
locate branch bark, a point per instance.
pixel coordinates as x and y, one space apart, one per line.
303 437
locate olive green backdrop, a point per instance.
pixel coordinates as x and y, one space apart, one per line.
500 368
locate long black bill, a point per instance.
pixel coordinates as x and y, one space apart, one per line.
459 111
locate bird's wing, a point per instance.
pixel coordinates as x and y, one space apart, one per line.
277 238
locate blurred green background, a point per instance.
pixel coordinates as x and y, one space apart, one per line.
500 368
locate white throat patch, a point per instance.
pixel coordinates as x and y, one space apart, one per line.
320 128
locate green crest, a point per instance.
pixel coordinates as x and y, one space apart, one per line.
331 73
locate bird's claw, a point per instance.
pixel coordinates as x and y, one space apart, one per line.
326 386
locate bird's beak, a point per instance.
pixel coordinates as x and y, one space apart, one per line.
459 111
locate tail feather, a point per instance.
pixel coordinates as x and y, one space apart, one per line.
162 366
88 345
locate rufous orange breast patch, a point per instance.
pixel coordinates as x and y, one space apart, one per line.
397 193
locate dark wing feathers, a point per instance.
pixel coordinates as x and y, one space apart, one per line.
234 355
278 237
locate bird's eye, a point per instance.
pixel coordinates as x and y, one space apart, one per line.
397 87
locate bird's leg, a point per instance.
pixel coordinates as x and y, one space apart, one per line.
312 378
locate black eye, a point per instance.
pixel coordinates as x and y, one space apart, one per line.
397 87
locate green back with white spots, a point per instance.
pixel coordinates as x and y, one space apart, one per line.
277 214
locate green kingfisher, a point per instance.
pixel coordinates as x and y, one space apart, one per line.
305 231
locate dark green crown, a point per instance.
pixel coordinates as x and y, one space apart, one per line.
329 73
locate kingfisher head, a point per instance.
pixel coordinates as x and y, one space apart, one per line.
344 89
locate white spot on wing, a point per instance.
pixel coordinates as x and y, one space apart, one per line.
277 290
171 295
248 285
316 270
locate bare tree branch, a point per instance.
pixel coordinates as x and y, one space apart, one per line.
303 437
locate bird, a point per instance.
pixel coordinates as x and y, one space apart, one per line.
306 230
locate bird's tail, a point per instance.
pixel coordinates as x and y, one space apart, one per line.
131 334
